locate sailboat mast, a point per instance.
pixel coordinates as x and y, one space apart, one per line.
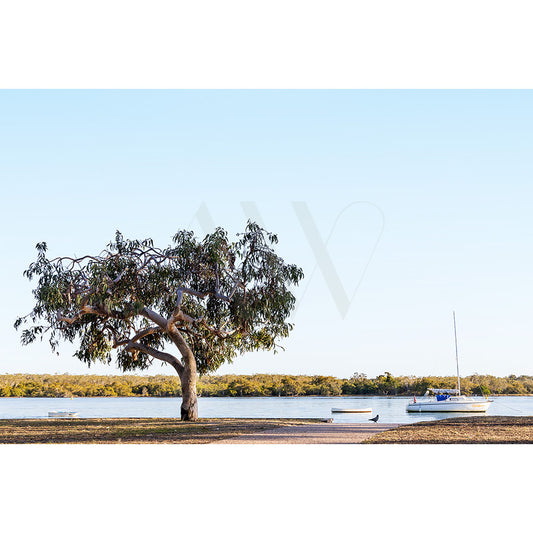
456 354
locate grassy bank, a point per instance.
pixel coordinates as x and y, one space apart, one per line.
467 430
133 430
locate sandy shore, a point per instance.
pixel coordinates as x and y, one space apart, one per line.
312 434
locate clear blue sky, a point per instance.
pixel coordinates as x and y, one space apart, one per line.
439 185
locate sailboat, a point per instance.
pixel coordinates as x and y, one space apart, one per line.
449 400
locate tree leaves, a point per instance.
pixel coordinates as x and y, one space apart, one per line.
225 298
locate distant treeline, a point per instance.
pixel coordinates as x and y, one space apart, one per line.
66 385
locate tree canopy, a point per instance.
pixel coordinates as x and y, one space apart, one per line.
213 299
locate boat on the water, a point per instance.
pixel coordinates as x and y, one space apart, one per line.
360 410
449 400
58 414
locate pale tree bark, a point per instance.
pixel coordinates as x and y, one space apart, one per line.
186 369
188 375
189 396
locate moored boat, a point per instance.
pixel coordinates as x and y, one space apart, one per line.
449 400
58 414
360 410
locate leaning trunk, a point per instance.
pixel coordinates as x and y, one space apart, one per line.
188 374
189 398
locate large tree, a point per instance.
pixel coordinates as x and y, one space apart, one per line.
211 299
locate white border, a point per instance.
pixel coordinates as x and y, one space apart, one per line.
274 44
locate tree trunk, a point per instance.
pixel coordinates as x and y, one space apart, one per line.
189 398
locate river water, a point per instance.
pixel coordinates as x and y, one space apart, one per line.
390 409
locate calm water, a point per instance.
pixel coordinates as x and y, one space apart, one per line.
391 410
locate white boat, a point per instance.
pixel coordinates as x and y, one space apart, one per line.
449 400
360 410
444 402
63 414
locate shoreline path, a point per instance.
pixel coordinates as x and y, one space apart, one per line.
331 433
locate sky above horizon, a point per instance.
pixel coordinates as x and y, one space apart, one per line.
400 205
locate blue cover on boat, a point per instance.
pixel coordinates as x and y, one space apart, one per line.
441 397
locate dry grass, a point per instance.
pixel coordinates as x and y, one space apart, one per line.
133 430
467 430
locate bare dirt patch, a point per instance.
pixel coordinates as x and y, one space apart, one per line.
311 434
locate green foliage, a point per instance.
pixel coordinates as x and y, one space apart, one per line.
387 384
223 298
65 385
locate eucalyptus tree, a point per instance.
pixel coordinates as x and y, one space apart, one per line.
193 305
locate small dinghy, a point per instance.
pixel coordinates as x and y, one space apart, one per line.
358 410
63 414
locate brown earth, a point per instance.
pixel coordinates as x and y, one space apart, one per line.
463 430
468 430
353 433
135 430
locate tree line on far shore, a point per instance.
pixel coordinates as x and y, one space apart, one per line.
66 385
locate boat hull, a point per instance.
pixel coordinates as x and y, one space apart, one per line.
62 414
363 410
448 407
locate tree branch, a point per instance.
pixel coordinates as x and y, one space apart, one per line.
162 356
215 293
155 317
218 332
71 320
100 310
138 336
177 310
